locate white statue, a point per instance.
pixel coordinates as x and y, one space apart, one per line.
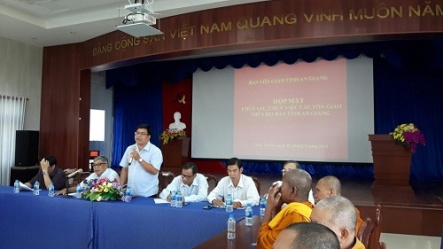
177 125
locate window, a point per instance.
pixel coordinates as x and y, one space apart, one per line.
97 125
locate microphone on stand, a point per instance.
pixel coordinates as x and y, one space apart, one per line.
74 173
66 194
67 181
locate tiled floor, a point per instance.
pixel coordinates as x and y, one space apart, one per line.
400 241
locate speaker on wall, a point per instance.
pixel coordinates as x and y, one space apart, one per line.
26 148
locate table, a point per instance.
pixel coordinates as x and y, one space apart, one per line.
43 222
28 221
245 237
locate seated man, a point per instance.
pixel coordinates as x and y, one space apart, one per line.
192 185
101 170
49 172
338 213
305 235
330 186
294 192
289 165
241 187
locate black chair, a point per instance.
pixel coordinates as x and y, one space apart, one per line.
164 179
212 181
257 183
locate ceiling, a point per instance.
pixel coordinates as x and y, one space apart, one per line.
55 22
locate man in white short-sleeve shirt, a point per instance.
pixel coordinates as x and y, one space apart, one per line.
141 164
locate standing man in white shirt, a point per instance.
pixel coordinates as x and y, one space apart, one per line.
141 164
192 185
241 187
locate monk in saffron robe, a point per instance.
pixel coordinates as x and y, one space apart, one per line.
294 192
330 186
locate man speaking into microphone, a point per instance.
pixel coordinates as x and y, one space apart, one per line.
141 164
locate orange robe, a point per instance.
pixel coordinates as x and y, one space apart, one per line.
359 221
293 213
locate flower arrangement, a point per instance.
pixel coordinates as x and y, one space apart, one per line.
171 134
408 135
102 189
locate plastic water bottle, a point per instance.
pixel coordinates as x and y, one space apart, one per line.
51 190
262 206
229 207
173 199
231 227
248 215
16 186
78 192
179 200
128 196
36 188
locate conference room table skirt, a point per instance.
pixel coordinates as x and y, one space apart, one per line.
43 222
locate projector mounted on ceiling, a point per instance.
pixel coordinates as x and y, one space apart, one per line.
138 23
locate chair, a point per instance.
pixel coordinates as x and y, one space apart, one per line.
257 183
374 238
164 179
365 231
369 233
381 245
81 176
212 181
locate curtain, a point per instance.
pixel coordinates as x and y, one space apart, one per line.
12 118
137 100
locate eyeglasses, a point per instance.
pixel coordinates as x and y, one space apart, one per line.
187 177
140 133
97 164
284 171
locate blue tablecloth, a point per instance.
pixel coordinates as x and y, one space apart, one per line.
43 222
28 221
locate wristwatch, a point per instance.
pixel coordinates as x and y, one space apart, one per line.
140 160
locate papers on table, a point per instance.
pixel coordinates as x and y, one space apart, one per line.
24 187
160 201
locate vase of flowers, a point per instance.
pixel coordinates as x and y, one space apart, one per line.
102 189
171 134
408 135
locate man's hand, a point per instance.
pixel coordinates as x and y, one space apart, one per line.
61 192
168 198
44 165
135 155
236 204
274 197
217 202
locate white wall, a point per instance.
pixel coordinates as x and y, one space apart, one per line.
21 76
